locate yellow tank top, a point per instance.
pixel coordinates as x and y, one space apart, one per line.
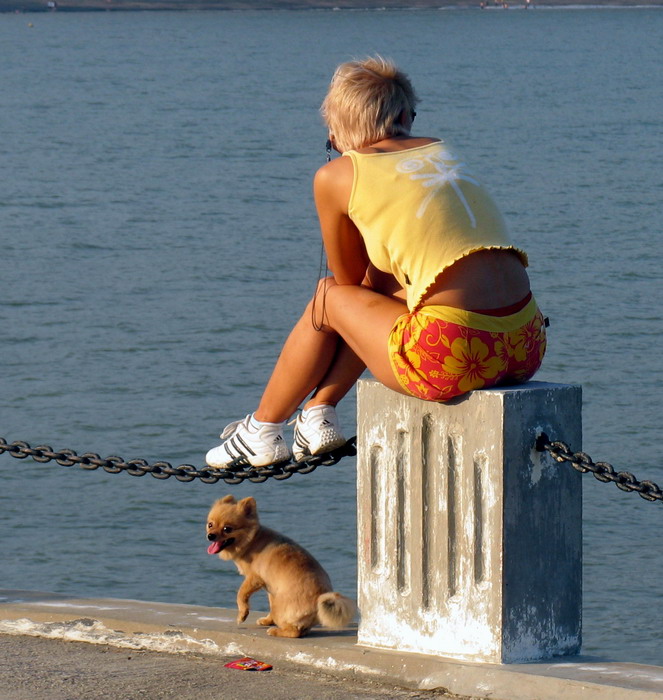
419 211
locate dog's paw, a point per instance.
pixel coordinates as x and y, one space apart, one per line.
266 621
242 615
286 631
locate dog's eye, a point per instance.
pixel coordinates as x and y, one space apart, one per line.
227 530
210 525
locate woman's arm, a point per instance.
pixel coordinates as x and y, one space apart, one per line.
346 253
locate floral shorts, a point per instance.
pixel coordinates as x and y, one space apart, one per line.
439 352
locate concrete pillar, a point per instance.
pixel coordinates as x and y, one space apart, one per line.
469 539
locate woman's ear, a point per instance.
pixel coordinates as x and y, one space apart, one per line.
331 140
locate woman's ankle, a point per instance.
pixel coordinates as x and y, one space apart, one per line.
257 423
313 403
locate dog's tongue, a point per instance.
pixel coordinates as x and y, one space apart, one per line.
214 548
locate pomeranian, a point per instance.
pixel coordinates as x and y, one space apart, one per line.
299 590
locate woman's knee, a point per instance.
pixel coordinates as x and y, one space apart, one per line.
324 285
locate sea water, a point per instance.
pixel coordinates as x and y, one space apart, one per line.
158 240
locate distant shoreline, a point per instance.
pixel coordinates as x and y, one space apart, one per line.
19 6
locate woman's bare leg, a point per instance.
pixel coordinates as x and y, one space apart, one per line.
303 362
319 360
364 318
341 376
347 367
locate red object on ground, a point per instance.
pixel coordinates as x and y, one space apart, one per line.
248 664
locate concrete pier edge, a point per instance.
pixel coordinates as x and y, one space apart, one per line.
187 628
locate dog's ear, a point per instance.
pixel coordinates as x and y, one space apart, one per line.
248 507
228 499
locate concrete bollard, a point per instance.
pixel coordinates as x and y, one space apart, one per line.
470 541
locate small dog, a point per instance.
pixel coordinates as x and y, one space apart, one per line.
299 590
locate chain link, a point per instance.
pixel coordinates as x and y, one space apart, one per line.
602 471
235 473
240 470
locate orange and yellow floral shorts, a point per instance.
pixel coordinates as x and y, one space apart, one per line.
439 352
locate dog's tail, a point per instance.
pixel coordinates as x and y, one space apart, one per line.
335 610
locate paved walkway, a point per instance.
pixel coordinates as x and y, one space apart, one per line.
123 660
33 668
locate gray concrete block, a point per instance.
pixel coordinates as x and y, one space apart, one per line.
469 539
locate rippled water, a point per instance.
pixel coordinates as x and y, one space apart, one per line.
158 239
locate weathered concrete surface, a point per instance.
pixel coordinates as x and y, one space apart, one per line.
33 668
212 632
469 539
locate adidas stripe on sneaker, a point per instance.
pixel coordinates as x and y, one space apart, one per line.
259 446
317 431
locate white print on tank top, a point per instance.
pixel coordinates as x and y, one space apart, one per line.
447 171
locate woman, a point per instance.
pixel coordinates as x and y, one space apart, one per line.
427 290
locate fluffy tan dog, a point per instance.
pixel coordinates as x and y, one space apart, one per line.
299 590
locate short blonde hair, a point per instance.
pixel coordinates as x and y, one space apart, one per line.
365 101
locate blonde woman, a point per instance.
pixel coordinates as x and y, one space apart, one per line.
427 289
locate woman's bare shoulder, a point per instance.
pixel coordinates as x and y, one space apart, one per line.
337 173
336 167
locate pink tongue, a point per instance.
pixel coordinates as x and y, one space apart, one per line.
214 548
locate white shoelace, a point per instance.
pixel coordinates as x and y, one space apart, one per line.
231 427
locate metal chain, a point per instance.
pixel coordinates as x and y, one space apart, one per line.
235 473
603 471
240 470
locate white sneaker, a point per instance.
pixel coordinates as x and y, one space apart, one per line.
259 446
316 431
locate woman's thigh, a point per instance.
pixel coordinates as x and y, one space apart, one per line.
364 319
